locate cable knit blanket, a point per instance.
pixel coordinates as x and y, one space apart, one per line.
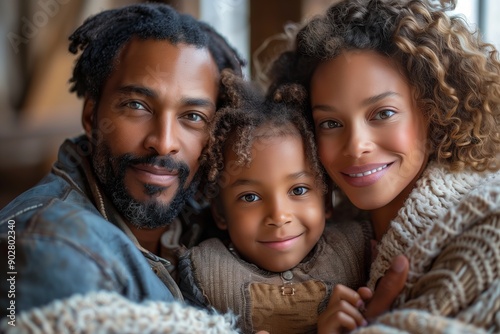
449 229
109 312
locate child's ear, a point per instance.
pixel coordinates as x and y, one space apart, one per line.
88 116
218 215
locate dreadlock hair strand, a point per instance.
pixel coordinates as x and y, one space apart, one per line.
101 37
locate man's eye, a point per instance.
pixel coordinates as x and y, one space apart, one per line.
135 105
194 117
384 114
297 191
329 124
250 198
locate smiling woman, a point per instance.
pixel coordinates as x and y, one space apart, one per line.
371 135
405 103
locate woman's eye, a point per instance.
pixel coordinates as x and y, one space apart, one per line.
384 114
329 124
250 198
297 191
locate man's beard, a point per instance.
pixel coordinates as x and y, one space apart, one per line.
149 214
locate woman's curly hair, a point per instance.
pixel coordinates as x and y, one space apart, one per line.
251 117
455 75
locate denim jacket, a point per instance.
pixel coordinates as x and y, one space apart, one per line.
63 236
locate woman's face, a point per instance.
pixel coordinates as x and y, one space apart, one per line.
371 136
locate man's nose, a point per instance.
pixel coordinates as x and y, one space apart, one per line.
163 138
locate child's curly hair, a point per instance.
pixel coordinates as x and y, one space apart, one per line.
250 116
455 75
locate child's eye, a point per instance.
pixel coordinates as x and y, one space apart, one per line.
250 198
329 124
297 191
384 114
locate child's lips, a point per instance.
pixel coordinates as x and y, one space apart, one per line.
281 243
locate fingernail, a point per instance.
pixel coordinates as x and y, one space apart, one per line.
398 265
360 304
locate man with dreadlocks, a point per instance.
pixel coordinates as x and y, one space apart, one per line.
149 78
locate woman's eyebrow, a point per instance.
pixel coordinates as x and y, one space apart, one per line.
378 97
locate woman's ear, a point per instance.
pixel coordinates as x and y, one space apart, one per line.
88 116
218 215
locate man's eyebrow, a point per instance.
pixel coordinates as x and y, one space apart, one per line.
141 90
188 101
199 102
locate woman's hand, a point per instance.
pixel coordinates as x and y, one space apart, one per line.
388 288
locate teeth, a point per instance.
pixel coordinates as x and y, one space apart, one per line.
368 172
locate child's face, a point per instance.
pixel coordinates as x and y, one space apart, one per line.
370 133
272 209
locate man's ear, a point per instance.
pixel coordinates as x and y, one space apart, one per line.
218 215
88 116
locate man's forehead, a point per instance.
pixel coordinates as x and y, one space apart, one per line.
161 52
148 61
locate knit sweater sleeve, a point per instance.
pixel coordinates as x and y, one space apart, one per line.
466 267
460 283
469 261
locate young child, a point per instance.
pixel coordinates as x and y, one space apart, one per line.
279 264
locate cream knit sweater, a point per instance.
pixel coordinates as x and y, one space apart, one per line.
449 228
108 312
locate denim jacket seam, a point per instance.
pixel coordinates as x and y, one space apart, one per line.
20 212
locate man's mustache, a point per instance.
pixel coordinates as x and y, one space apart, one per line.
168 162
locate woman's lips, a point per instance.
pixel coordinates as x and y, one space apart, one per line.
366 175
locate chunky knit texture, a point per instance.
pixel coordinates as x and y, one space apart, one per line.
449 228
109 312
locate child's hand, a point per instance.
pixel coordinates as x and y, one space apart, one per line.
343 312
346 308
